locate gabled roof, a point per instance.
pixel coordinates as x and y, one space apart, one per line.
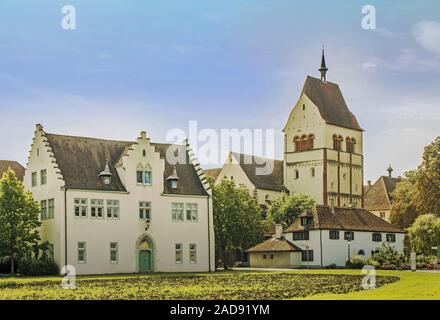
349 219
214 173
249 164
330 102
81 159
275 245
378 196
14 165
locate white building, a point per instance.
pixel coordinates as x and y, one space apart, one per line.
120 206
322 236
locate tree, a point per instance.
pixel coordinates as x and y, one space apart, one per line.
428 180
425 233
285 209
404 205
237 219
18 217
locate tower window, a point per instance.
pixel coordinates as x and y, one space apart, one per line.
312 172
296 174
337 142
304 107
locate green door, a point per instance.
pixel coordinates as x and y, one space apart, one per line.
145 263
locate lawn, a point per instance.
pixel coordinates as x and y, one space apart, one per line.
316 284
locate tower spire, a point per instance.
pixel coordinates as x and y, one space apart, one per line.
323 68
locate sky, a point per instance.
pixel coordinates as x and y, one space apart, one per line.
132 66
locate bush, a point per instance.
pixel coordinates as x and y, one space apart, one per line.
5 264
357 262
34 267
373 263
388 255
332 266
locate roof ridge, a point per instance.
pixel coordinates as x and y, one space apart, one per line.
253 156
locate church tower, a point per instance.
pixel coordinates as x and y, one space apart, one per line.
323 146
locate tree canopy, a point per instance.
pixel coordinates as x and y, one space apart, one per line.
425 233
18 218
286 208
238 222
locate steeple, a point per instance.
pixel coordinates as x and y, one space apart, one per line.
390 171
323 68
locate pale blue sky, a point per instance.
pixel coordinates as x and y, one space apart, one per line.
155 65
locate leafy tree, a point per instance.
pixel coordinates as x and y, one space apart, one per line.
425 233
285 209
404 205
18 217
388 254
237 219
428 180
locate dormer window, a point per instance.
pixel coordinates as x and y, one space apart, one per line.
106 175
305 221
173 179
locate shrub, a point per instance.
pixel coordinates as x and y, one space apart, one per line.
373 263
356 262
34 267
332 266
388 266
388 255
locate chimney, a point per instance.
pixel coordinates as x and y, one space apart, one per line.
278 231
369 183
143 135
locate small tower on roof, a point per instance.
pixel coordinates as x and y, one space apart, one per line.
323 68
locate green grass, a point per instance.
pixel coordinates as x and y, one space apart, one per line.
306 284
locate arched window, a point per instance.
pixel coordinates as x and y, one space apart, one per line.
337 140
353 144
361 252
140 174
304 142
297 142
311 145
348 144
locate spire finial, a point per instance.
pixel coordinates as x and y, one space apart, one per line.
323 68
390 170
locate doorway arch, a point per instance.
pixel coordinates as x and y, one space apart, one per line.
145 254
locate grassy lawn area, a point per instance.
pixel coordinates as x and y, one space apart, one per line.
315 284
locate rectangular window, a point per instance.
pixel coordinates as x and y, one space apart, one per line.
43 210
145 210
307 256
300 235
34 179
147 178
179 253
113 252
50 209
51 253
177 211
382 215
43 177
139 177
97 208
377 237
334 235
191 212
391 237
81 208
306 221
113 209
193 253
349 235
81 252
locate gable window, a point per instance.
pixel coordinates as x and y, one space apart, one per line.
377 237
34 179
382 215
391 237
97 208
306 221
81 252
139 177
179 253
144 210
191 212
307 256
43 177
50 209
334 235
113 209
177 211
296 174
192 253
349 235
312 172
81 208
147 178
43 209
300 235
113 252
143 175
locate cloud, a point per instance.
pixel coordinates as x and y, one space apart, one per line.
427 35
